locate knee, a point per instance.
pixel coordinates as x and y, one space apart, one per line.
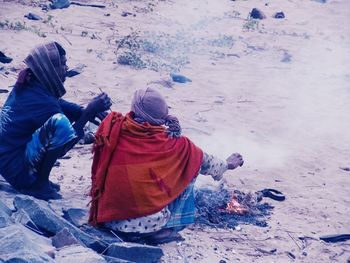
63 130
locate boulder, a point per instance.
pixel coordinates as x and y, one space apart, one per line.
64 238
18 244
76 216
77 253
116 260
135 252
51 223
103 234
5 215
23 218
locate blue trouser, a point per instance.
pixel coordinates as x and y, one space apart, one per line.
57 134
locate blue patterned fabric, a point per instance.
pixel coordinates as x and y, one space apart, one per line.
55 133
24 112
182 209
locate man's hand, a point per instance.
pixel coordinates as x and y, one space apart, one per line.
234 160
98 105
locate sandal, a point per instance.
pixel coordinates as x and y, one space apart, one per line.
272 193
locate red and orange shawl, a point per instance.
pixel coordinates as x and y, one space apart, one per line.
137 169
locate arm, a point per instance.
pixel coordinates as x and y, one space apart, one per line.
216 167
213 166
71 110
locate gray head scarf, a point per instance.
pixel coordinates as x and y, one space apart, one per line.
150 106
45 62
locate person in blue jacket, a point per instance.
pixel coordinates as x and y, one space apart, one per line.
37 126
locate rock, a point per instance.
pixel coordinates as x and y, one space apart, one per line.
279 15
116 260
179 78
4 59
257 14
63 238
5 215
18 244
76 216
77 253
102 233
125 14
286 57
50 223
23 218
4 210
135 252
4 91
59 4
32 16
75 71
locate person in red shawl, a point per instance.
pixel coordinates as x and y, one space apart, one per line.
143 171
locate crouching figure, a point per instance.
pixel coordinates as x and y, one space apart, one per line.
143 172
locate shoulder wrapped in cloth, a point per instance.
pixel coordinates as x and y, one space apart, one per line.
138 169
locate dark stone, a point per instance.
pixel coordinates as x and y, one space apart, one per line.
50 223
257 14
32 16
125 14
59 4
4 91
76 216
135 252
63 238
279 15
179 78
75 71
4 59
18 244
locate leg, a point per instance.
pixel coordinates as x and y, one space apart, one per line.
55 138
182 211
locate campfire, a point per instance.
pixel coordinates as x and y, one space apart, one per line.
234 207
225 208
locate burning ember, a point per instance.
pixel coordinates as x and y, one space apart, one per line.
234 207
225 208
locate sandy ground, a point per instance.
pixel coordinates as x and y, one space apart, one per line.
277 91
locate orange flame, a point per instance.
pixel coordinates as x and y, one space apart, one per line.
234 207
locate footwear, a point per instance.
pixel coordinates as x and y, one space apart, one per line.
4 59
271 193
53 195
164 236
42 191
